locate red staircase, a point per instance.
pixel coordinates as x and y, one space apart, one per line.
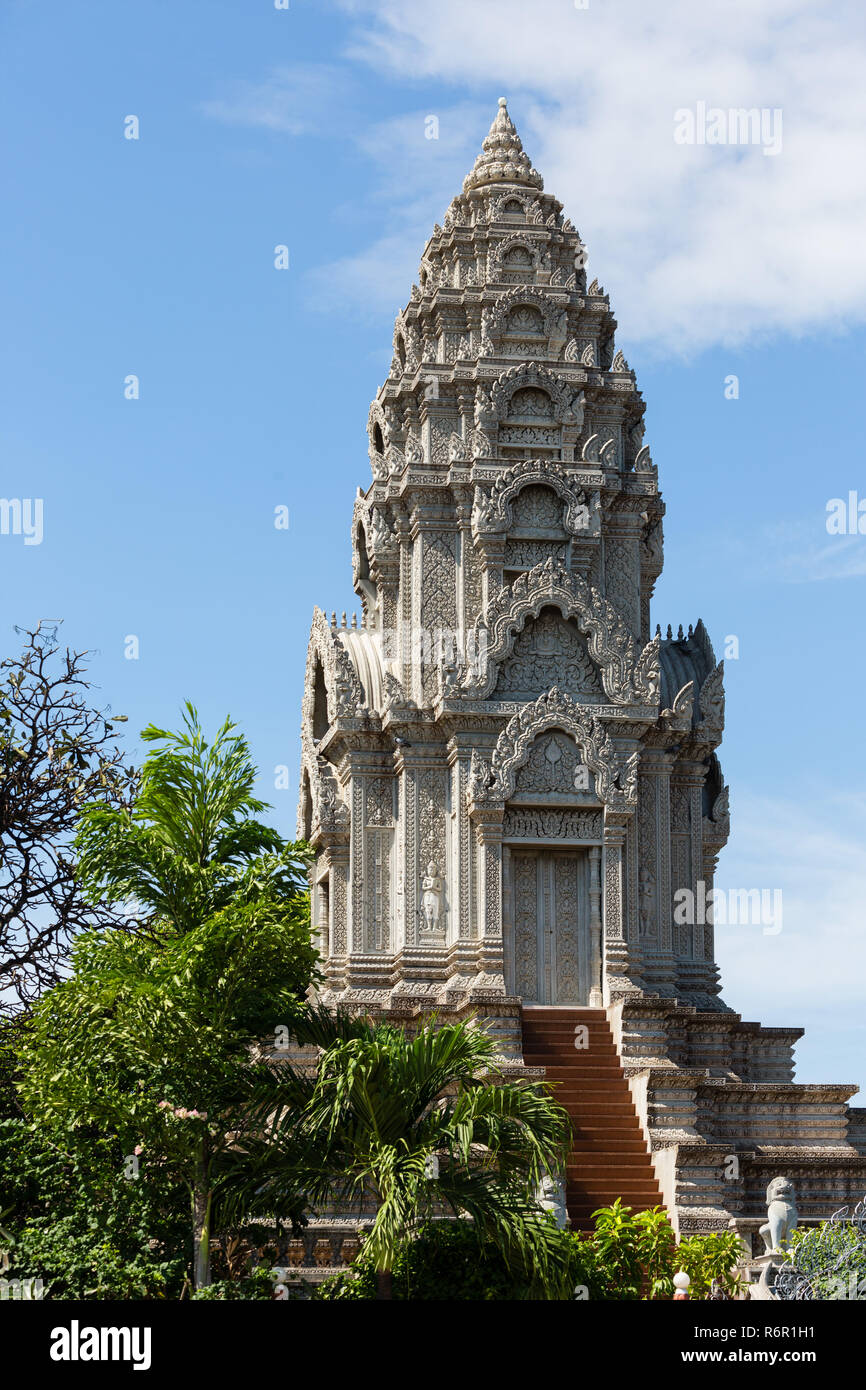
609 1155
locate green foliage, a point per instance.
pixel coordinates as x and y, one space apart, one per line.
833 1258
149 1040
257 1284
638 1255
80 1225
413 1126
708 1258
447 1260
619 1240
190 843
630 1256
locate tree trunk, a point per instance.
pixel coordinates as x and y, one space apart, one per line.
384 1284
202 1200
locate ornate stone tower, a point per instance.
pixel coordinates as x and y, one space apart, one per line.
506 777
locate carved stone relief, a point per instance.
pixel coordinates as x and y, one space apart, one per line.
550 650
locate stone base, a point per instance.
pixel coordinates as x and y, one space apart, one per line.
724 1116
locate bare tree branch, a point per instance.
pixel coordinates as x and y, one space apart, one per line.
56 753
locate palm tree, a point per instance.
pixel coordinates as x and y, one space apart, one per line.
409 1128
181 852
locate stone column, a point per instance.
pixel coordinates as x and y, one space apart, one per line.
339 896
619 966
424 778
691 965
712 981
491 954
655 859
615 948
596 992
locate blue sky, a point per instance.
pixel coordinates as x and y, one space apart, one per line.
306 127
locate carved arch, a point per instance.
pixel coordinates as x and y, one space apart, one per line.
305 809
377 420
520 240
499 515
345 696
627 678
499 208
496 318
493 783
321 809
567 402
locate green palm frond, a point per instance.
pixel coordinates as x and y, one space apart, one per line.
380 1106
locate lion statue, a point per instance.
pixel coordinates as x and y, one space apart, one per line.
781 1215
550 1196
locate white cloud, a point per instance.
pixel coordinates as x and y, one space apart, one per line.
294 99
414 183
697 245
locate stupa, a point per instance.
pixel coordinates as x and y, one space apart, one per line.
508 779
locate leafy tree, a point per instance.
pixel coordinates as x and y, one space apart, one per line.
79 1223
708 1259
56 752
619 1240
153 1038
408 1127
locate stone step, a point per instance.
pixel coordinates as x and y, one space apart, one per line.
609 1144
628 1177
596 1104
639 1165
609 1155
581 1216
567 1033
586 1085
553 1057
614 1127
575 1075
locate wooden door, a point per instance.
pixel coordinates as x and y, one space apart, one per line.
547 935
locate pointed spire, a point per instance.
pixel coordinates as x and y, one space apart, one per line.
503 159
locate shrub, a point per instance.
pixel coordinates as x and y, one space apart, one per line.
629 1257
832 1257
445 1261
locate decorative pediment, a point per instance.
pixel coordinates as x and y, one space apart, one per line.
321 809
329 666
494 783
716 827
679 717
628 676
493 512
567 402
504 319
513 203
598 451
380 538
711 703
518 253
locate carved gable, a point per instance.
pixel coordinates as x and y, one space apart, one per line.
554 766
550 650
538 509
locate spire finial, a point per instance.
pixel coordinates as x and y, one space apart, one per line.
503 158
